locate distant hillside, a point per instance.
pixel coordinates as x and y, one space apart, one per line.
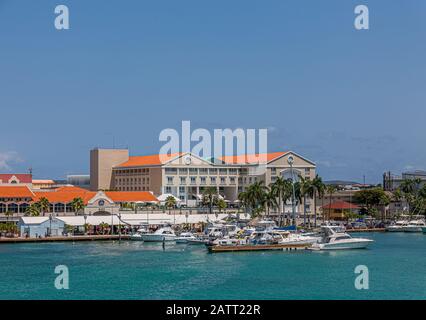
340 182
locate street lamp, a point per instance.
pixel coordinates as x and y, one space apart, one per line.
119 226
290 161
85 223
50 220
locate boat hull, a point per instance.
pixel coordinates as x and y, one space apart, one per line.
394 229
157 238
136 238
343 246
412 229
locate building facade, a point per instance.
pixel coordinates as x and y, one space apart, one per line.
186 175
391 182
17 199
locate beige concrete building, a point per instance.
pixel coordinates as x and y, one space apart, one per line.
185 175
101 162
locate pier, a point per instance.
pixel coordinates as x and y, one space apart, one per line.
366 230
259 247
70 238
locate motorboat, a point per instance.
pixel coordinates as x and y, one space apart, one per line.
198 240
184 237
215 231
334 238
398 226
296 238
227 241
160 235
137 236
414 226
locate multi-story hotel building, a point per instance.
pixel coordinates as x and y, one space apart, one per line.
185 175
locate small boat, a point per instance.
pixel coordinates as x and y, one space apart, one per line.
138 235
199 241
227 241
336 239
184 237
414 226
160 235
398 226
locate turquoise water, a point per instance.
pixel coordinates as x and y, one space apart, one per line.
133 270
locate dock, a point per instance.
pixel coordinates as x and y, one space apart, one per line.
366 230
259 247
70 238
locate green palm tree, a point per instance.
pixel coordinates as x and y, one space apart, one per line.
43 205
306 190
243 198
103 226
221 204
77 205
270 201
170 203
8 214
33 210
210 197
319 191
255 197
282 190
330 190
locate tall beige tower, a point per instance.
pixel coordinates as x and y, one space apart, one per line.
101 163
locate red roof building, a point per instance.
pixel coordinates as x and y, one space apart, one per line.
16 178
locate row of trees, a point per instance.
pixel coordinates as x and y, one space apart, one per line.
42 206
414 193
259 198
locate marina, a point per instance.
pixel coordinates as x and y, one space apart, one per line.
137 270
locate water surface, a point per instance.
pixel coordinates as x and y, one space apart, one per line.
133 270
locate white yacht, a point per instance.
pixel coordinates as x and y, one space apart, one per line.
398 226
296 238
185 237
138 235
160 235
414 226
335 238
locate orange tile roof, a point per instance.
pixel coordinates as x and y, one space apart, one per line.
70 189
151 160
64 196
251 158
16 192
131 196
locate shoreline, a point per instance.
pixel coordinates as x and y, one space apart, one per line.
69 238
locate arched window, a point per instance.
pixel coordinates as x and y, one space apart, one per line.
287 174
59 207
13 207
23 207
2 208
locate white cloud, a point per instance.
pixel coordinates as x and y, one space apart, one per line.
7 158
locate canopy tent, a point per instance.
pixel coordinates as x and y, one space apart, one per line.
134 219
164 196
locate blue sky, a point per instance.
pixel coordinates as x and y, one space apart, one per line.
352 101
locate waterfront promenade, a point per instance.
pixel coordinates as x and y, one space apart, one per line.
66 238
